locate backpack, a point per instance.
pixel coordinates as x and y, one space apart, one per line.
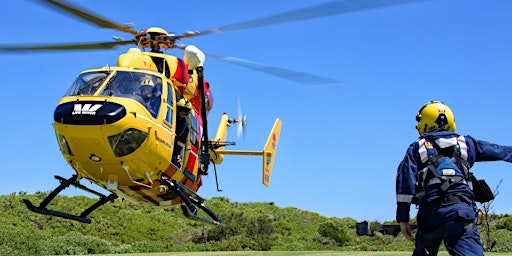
447 165
481 190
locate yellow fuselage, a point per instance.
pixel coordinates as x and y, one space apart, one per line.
113 140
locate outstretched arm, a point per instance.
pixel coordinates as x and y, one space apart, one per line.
487 151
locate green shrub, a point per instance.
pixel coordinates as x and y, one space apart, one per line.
124 227
504 223
146 246
75 243
22 241
330 230
504 240
230 244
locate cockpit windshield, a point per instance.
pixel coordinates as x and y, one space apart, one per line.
87 83
142 87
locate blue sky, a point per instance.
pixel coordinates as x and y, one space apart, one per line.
340 143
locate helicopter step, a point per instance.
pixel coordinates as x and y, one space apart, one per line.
191 200
65 183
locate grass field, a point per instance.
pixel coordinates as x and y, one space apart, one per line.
288 253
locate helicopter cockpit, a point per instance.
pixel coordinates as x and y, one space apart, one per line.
87 83
143 87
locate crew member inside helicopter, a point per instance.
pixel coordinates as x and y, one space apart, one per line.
147 92
183 109
123 89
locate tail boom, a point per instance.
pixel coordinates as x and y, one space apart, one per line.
268 152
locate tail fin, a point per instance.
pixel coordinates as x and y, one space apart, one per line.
269 151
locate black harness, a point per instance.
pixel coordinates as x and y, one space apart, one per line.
444 168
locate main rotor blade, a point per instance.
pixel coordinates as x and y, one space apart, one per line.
89 16
294 76
317 11
79 46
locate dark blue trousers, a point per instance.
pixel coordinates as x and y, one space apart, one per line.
452 224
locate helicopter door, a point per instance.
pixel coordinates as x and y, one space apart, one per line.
180 141
179 146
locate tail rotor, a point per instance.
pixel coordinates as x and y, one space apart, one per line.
241 121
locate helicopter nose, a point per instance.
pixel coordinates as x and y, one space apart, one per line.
89 113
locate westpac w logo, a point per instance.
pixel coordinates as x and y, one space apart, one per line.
86 109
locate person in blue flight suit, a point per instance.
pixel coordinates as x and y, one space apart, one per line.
183 110
445 213
149 95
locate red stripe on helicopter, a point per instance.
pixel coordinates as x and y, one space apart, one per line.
181 74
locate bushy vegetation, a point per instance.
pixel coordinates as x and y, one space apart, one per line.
122 227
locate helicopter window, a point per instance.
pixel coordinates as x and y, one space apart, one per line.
193 132
122 84
142 87
169 115
87 83
170 99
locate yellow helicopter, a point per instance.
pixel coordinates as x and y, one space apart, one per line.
139 129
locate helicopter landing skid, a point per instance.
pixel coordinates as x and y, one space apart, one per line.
64 183
191 200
